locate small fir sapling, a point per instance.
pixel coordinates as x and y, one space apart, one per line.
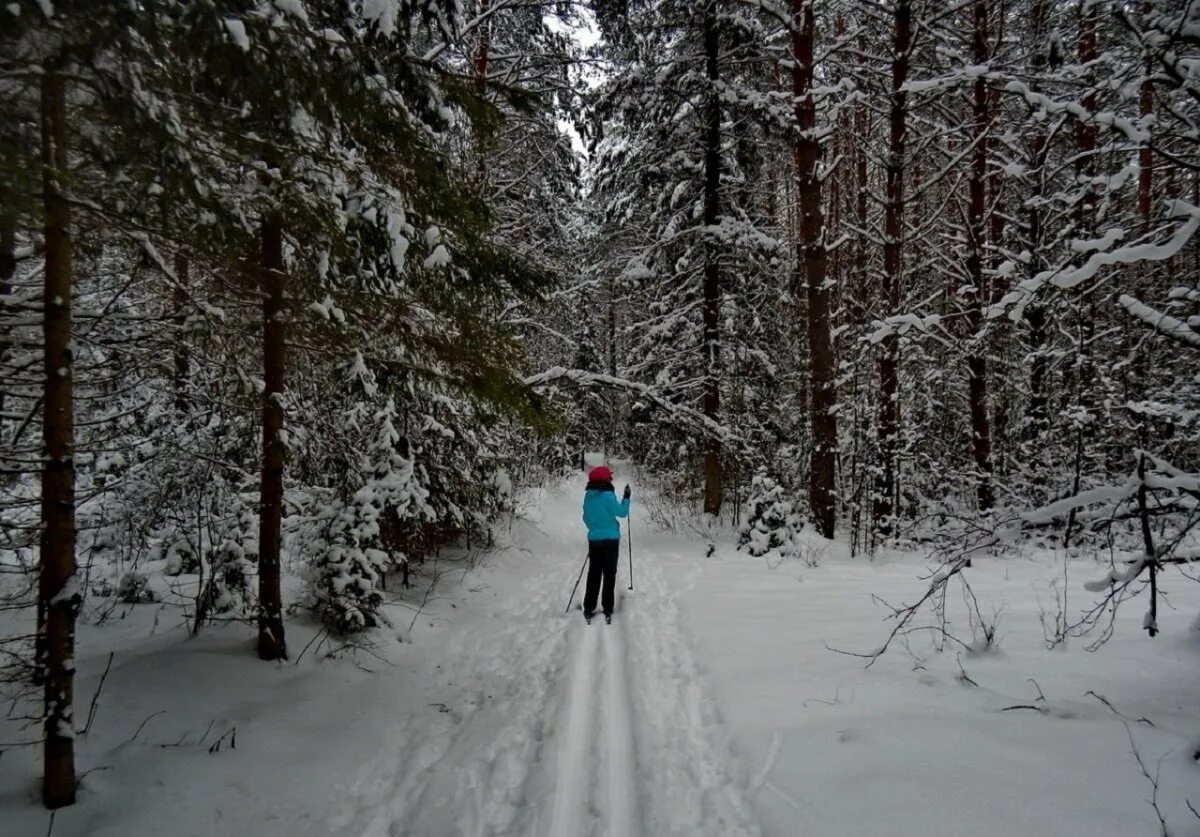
231 565
345 573
134 588
772 522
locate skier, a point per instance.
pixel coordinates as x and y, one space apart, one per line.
600 513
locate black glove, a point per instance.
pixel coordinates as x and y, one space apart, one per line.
627 492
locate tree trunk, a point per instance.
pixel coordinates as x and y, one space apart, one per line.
840 144
712 265
483 45
1035 316
1086 137
862 127
1136 378
57 593
182 358
977 383
893 235
614 404
8 269
272 281
811 271
1146 153
1086 132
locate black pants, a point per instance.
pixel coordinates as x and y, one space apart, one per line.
602 561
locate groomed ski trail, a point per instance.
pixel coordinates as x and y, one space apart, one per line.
560 729
598 749
466 768
574 773
622 765
693 783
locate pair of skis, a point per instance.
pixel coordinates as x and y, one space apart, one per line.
607 618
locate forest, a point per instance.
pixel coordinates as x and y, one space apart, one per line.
303 302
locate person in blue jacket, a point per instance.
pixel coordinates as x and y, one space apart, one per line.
600 513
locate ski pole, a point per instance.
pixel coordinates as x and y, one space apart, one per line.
629 530
576 587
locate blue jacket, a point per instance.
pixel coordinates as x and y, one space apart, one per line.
600 512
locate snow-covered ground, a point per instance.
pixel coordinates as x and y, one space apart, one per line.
711 706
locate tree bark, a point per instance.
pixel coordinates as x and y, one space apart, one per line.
614 404
712 265
893 235
977 383
483 45
1086 137
1146 153
1135 379
182 371
1086 132
57 593
811 272
272 282
840 144
862 127
1035 316
8 269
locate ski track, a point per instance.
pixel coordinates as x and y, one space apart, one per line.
565 730
575 764
622 766
433 777
682 741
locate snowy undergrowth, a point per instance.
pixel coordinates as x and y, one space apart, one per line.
193 734
934 738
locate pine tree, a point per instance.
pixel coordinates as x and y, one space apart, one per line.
812 266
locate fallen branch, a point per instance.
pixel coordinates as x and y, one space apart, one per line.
142 726
1153 780
231 734
182 742
962 672
316 637
1116 711
96 697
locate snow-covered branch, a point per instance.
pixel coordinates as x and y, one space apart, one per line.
1163 323
1067 277
580 377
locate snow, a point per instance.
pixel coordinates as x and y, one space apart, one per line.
237 31
569 815
69 591
292 7
383 13
396 224
1070 277
440 257
907 747
712 705
1164 323
1116 576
